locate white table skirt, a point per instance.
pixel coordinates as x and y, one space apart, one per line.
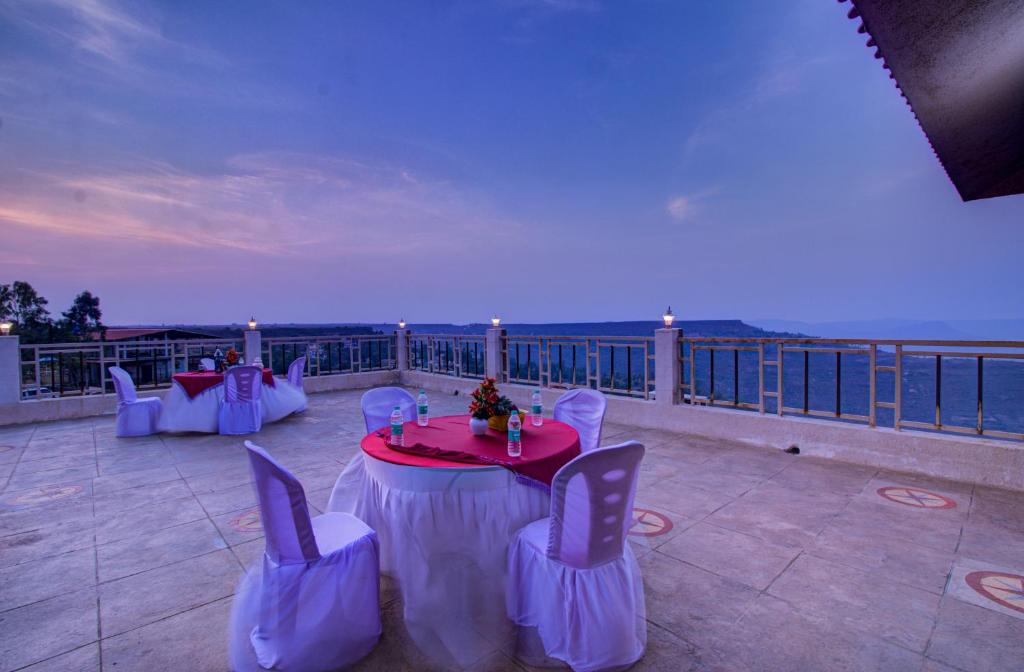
444 537
182 413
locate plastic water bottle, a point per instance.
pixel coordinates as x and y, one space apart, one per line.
422 414
397 429
536 409
515 435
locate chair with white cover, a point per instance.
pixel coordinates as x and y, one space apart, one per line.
573 578
208 364
295 370
311 602
240 411
583 410
135 417
378 403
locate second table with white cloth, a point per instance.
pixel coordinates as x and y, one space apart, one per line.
192 404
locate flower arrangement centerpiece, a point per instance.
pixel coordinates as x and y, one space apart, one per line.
231 357
491 406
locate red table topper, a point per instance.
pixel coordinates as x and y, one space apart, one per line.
197 382
447 442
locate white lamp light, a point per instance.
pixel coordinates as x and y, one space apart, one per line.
401 323
495 321
5 328
668 317
252 324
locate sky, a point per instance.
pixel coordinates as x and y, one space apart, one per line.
545 160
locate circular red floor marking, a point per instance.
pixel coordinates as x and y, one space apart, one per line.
46 493
1003 589
922 499
248 521
647 523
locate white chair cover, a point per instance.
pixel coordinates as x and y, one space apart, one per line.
312 602
295 370
291 397
135 417
572 576
208 364
378 403
584 411
241 412
285 396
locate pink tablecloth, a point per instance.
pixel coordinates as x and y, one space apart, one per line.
196 383
447 442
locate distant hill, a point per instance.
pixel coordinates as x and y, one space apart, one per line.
736 328
268 330
966 330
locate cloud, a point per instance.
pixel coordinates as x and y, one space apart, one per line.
783 75
117 50
275 204
679 208
101 29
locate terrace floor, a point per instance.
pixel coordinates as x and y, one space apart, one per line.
123 554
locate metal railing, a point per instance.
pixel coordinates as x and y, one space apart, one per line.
76 369
458 355
331 355
887 383
620 365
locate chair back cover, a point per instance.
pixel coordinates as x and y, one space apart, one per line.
295 370
208 364
123 385
584 411
592 505
243 384
378 403
283 510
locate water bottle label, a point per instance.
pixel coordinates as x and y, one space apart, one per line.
397 430
513 435
422 409
536 409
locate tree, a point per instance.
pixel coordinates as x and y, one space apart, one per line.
29 313
6 302
83 318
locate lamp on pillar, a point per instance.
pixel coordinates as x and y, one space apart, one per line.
668 368
253 342
10 365
494 361
402 346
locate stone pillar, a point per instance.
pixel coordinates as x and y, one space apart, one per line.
10 370
253 345
667 367
402 347
494 359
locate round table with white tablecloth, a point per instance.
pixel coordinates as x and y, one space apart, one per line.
444 525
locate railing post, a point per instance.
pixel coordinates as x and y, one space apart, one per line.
10 370
493 364
402 346
667 370
253 345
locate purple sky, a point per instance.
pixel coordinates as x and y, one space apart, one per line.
555 160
